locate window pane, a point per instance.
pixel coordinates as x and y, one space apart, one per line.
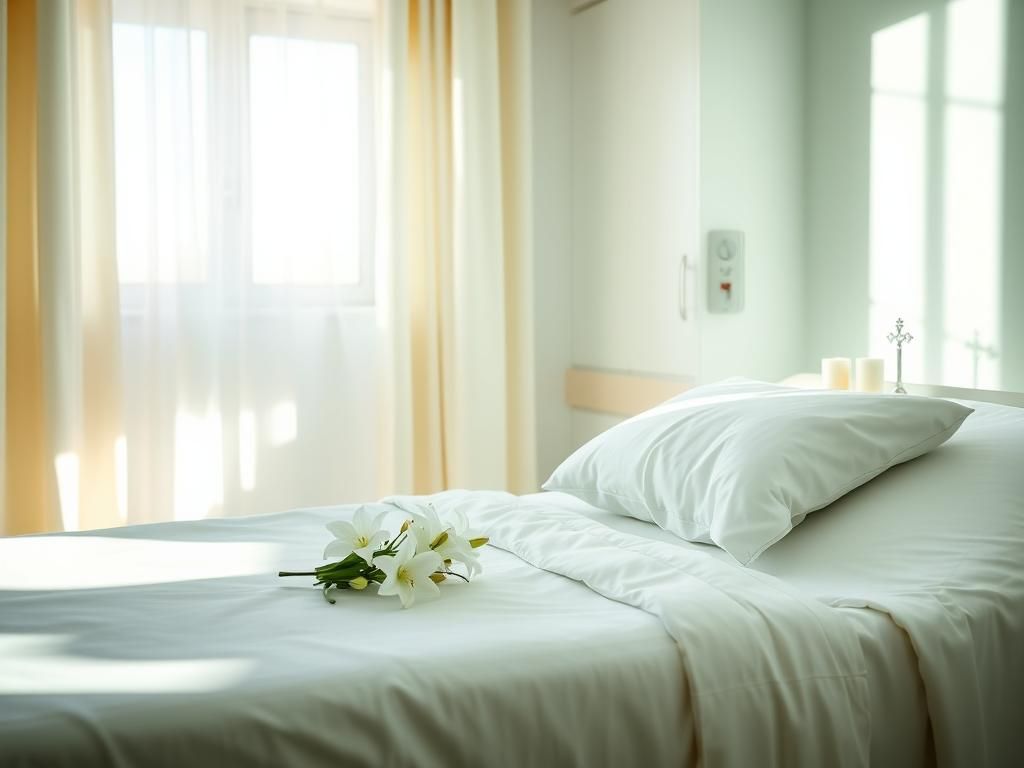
304 145
160 135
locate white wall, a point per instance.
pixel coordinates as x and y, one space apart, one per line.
751 180
551 222
635 189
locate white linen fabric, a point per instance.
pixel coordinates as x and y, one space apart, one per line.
938 545
755 652
756 656
740 463
175 644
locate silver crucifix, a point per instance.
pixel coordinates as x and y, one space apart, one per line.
900 338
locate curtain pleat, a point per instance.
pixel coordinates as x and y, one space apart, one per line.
102 442
429 255
515 75
62 393
459 313
28 502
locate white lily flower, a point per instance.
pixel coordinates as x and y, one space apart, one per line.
363 535
428 527
407 574
460 522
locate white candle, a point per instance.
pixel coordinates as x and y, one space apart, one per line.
835 372
870 374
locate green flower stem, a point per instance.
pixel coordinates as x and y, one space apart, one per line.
341 574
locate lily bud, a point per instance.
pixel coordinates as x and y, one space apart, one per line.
440 539
437 578
405 526
478 542
359 582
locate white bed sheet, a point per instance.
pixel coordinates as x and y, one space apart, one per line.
175 644
938 546
900 726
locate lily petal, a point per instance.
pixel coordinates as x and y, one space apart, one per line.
420 567
361 520
425 589
377 523
342 529
389 565
338 548
407 594
374 544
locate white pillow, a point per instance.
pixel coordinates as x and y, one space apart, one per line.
739 463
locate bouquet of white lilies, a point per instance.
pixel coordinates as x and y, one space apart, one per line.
409 564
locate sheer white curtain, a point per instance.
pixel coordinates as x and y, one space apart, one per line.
244 177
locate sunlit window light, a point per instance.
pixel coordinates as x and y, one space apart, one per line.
161 178
282 423
959 340
899 178
973 176
100 562
198 465
121 476
67 468
246 449
304 102
973 246
47 664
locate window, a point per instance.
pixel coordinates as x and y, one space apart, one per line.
160 87
244 161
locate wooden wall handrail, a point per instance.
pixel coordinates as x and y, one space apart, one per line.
622 393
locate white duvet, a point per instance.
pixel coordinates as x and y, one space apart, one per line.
758 656
176 644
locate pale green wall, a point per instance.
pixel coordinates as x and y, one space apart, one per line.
1013 204
552 232
836 183
751 179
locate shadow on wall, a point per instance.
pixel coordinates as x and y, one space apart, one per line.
915 183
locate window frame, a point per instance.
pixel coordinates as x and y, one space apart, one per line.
321 26
348 21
